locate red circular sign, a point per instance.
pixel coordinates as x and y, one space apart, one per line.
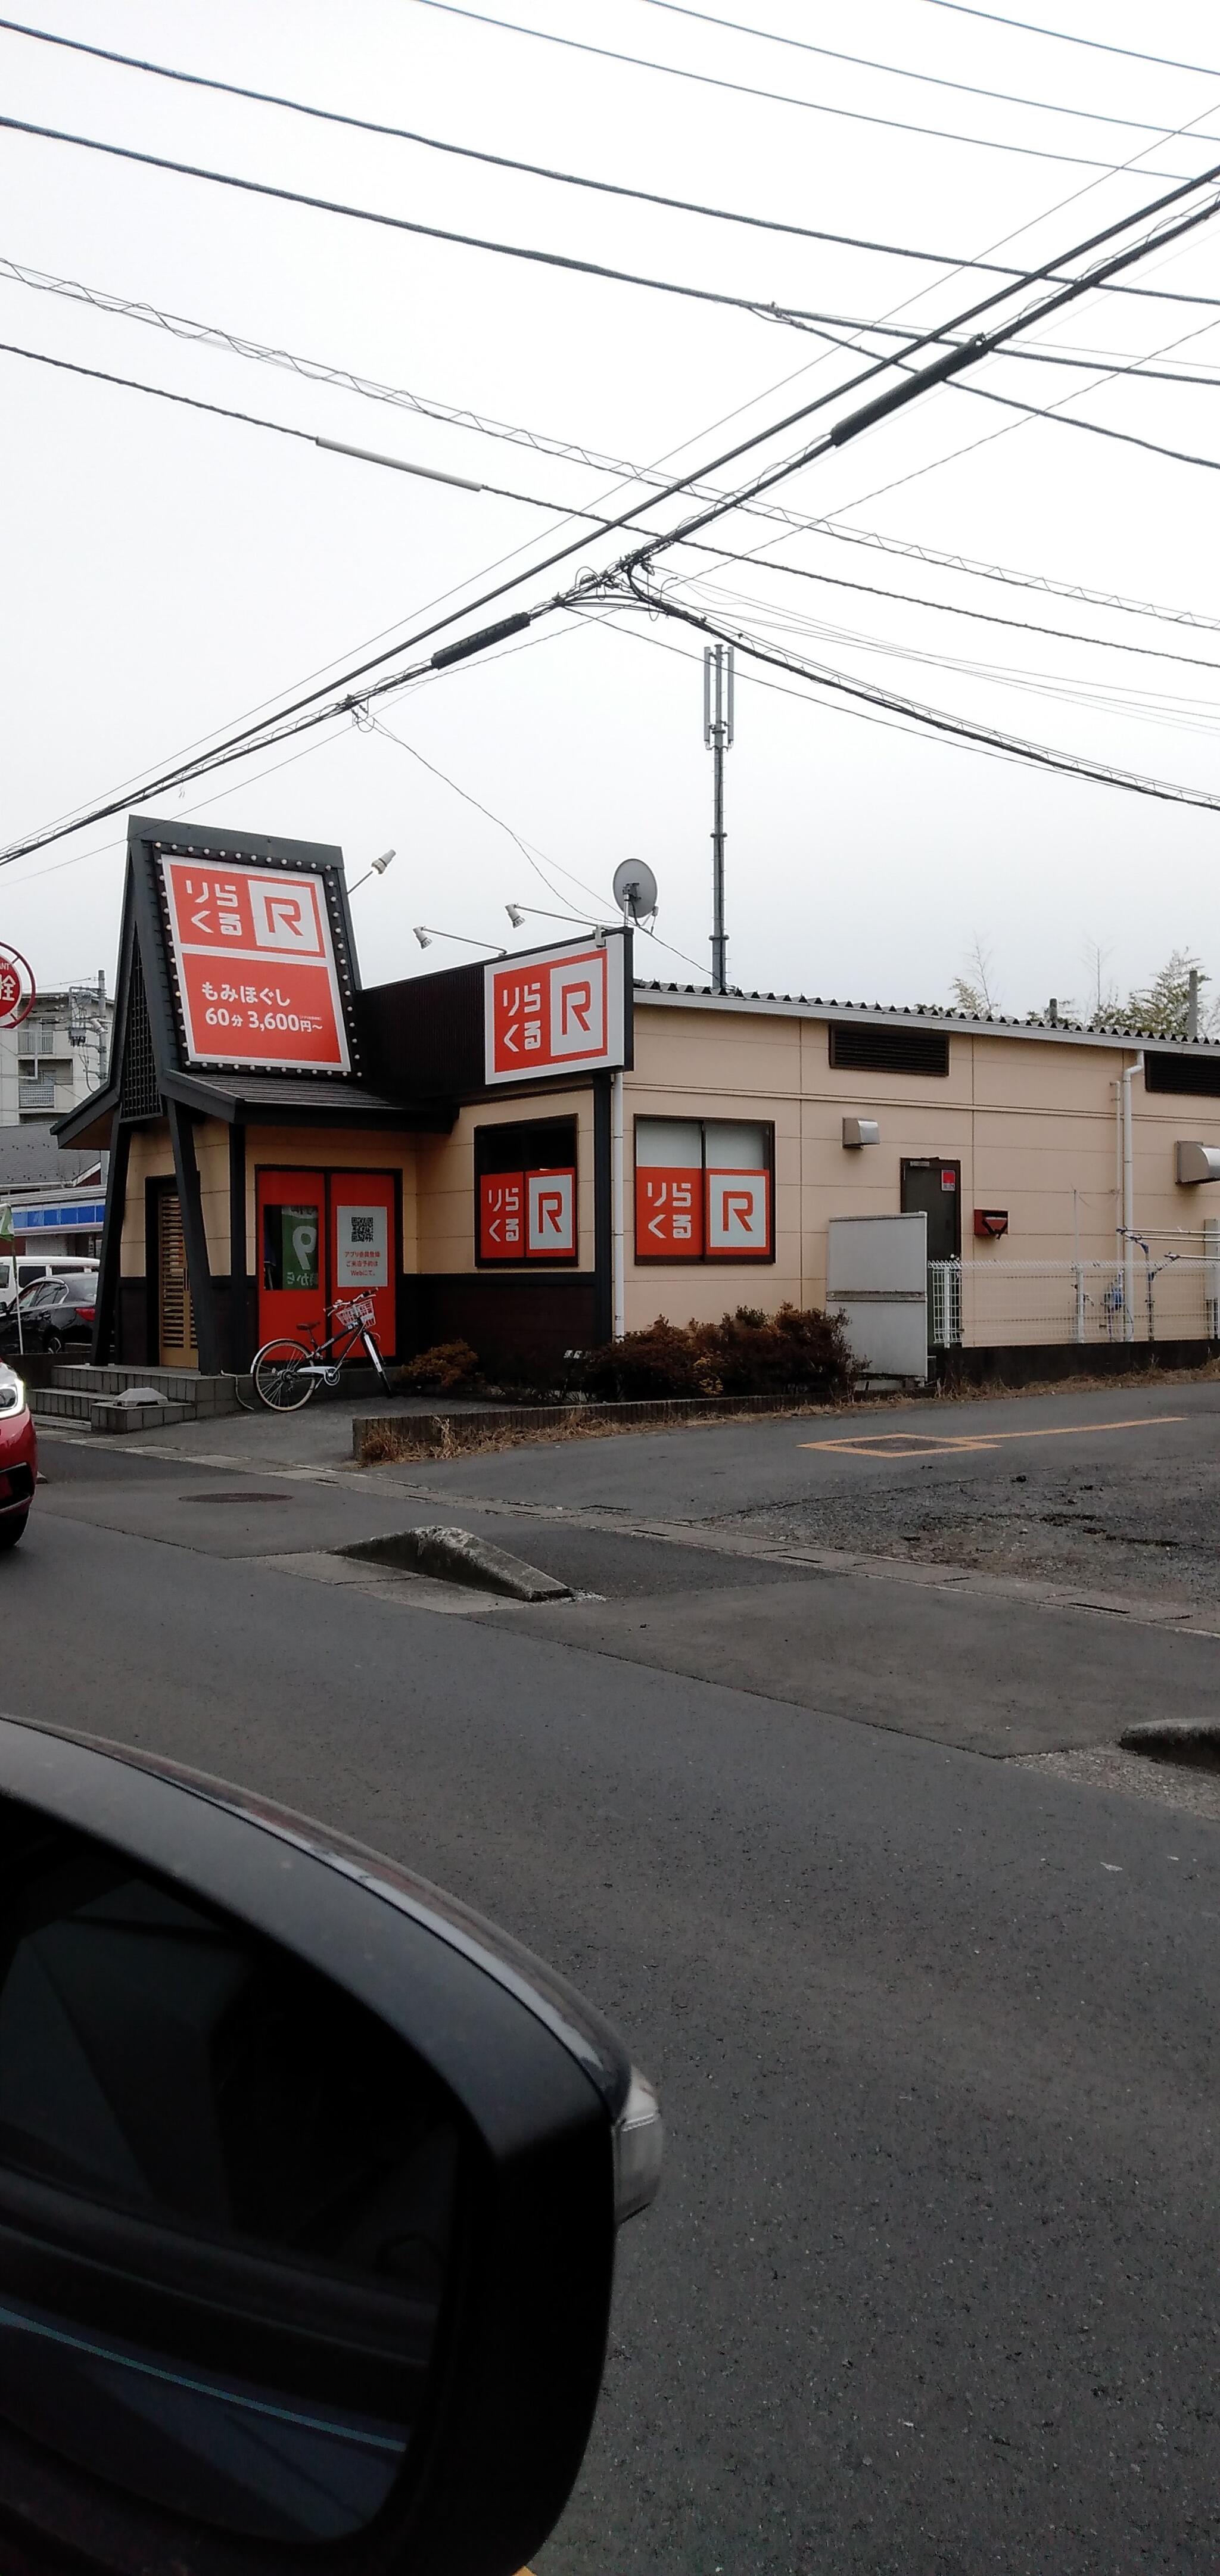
17 990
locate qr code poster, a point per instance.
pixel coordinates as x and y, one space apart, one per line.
362 1255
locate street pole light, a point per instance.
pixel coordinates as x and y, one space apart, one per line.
718 735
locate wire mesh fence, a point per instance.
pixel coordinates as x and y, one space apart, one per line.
1150 1295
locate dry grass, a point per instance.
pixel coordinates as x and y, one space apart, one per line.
388 1443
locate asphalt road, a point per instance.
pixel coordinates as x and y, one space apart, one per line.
932 2286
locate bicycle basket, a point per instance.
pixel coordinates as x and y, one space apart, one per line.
352 1312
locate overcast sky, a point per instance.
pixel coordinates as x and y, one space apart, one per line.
166 573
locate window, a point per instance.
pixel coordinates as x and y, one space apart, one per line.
290 1247
703 1189
872 1046
525 1192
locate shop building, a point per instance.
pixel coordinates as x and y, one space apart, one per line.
540 1153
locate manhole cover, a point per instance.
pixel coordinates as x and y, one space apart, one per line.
241 1496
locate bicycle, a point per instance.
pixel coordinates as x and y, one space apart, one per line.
285 1373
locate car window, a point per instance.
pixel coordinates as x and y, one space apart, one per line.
6 1274
27 1270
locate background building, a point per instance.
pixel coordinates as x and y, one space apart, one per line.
57 1056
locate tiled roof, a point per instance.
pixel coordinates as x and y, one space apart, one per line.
939 1015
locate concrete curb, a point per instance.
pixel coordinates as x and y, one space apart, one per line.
378 1439
1173 1739
459 1556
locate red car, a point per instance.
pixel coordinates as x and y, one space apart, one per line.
18 1457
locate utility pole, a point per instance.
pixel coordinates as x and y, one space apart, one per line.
718 735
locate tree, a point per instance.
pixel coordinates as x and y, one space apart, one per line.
972 992
1162 1008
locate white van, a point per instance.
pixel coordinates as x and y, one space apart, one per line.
30 1266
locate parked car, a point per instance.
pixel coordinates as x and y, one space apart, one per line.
53 1313
25 1269
310 2182
18 1457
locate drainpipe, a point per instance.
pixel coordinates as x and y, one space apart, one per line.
1136 1066
618 1207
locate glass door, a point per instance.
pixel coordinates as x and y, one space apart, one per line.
364 1245
291 1234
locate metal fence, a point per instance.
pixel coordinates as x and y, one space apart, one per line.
1153 1295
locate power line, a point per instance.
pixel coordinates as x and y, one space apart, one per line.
305 711
840 706
320 371
954 608
563 178
984 344
1038 755
776 97
759 307
909 551
1161 707
283 429
1096 428
900 71
528 854
1095 44
798 317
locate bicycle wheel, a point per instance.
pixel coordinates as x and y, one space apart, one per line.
278 1375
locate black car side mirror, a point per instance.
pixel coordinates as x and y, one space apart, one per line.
309 2184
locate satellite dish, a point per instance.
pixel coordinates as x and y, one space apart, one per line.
635 889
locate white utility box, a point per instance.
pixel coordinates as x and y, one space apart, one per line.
877 1280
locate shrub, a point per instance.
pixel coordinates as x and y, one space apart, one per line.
798 1350
438 1371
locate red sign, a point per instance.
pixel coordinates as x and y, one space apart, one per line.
16 987
527 1216
555 1009
739 1215
256 966
668 1214
502 1216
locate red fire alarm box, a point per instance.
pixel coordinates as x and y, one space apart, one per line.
990 1222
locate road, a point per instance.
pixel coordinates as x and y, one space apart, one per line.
932 2286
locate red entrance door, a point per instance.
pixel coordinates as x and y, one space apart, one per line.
291 1253
364 1244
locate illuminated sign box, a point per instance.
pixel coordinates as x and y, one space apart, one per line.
556 1010
253 951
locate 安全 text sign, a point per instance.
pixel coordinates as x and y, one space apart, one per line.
554 1011
256 966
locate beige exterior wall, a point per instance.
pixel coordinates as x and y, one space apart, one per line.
445 1169
1032 1123
268 1148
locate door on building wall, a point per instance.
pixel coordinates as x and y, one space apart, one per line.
323 1235
364 1244
291 1219
934 1187
176 1346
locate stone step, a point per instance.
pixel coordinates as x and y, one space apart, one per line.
58 1403
53 1404
197 1396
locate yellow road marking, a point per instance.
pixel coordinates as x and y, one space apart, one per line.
920 1444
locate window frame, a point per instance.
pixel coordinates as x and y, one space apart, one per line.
490 1141
704 1259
